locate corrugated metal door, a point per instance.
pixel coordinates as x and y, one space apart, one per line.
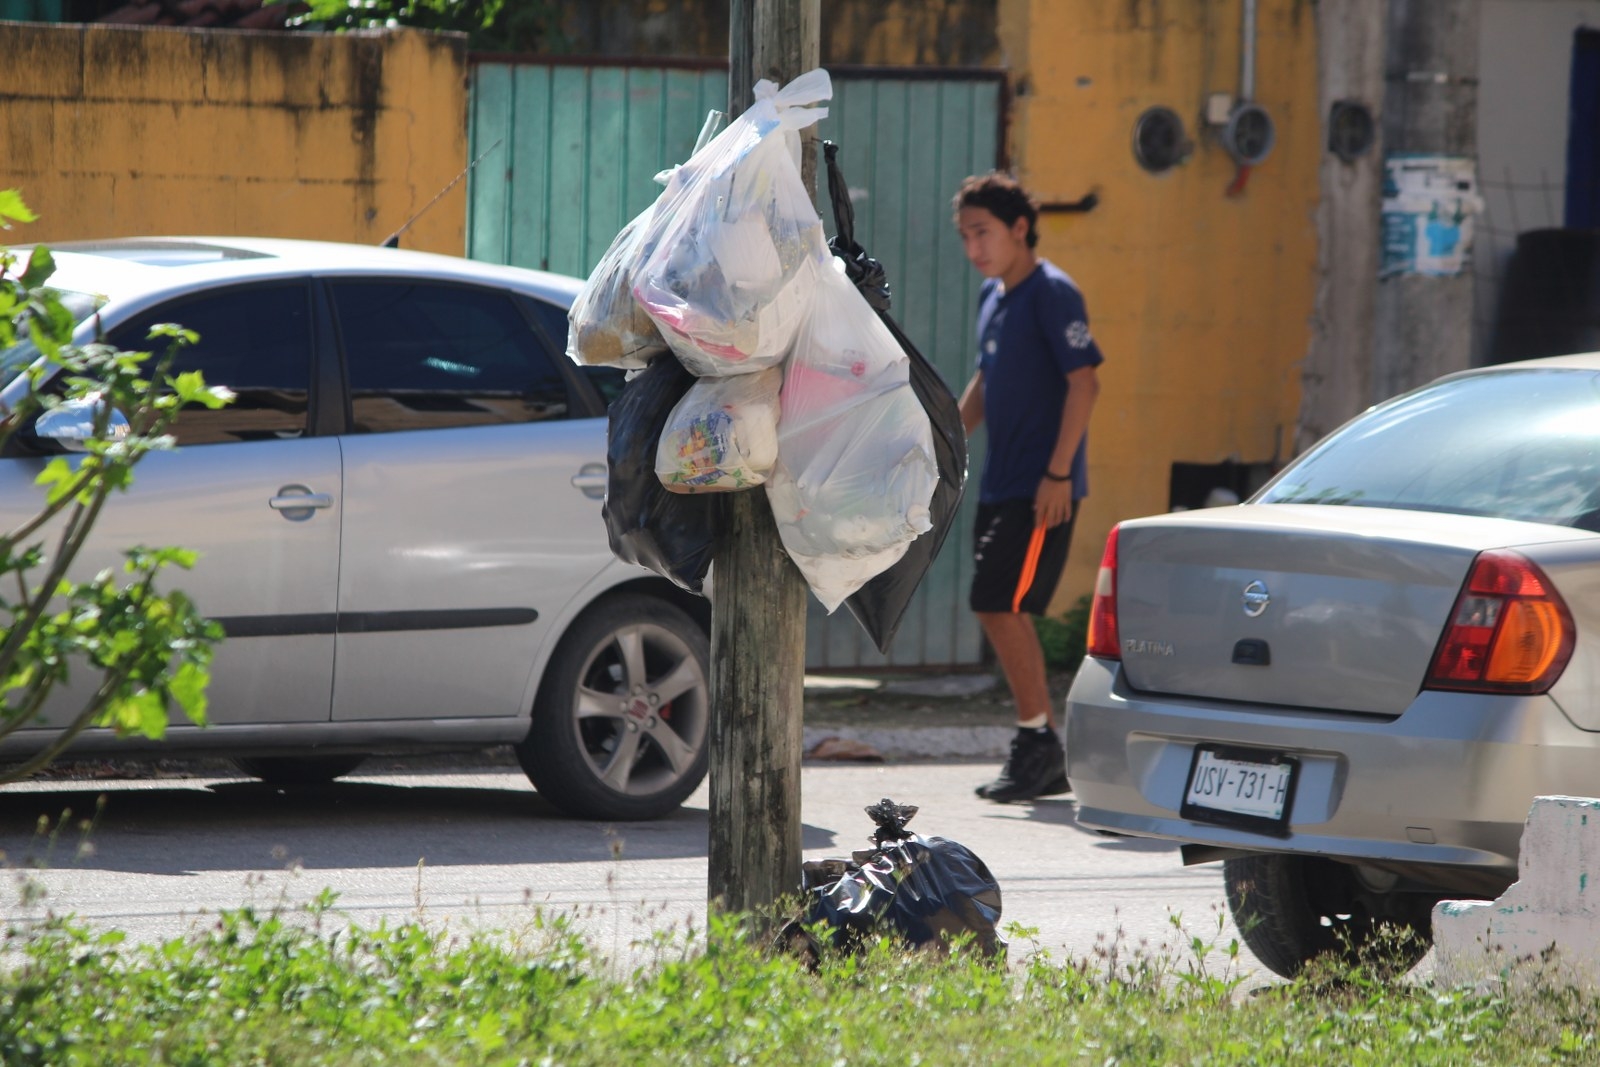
31 10
571 155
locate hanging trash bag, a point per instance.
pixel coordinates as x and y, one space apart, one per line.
735 244
608 327
924 890
856 471
881 603
723 434
670 533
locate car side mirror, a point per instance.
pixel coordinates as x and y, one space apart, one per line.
70 424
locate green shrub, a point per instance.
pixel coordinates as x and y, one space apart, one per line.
1065 639
282 989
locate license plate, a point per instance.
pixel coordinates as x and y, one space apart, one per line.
1246 788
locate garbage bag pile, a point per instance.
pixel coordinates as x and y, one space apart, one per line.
923 890
761 364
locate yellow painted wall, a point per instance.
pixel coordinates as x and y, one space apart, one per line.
1201 302
117 131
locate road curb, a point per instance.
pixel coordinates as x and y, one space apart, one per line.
921 742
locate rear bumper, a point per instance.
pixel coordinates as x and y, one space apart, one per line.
1439 793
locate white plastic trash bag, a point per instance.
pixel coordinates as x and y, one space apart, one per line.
607 326
734 246
856 469
723 434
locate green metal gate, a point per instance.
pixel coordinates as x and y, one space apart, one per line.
570 152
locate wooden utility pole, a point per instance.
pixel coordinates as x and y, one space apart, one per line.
758 599
1424 324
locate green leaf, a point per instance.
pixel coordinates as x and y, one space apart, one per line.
188 688
175 332
12 209
56 478
40 266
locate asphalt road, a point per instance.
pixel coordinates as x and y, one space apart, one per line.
480 849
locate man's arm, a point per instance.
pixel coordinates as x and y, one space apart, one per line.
972 404
1052 504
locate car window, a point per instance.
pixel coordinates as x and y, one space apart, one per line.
256 340
423 356
607 381
1515 444
21 355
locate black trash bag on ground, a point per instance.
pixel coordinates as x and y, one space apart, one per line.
925 890
673 534
880 604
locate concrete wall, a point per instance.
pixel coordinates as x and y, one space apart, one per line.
1200 300
1524 69
113 131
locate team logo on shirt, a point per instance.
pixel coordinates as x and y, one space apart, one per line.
1078 334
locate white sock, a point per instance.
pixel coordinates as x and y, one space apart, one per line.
1038 722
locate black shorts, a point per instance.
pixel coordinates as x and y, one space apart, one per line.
1018 564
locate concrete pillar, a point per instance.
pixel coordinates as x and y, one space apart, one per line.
1336 377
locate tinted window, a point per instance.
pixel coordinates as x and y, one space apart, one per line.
257 342
1515 445
607 381
423 356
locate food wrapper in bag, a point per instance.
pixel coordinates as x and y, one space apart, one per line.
608 327
735 248
723 434
856 471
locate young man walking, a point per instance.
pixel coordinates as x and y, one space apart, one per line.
1034 389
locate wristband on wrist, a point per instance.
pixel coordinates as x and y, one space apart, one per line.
1058 477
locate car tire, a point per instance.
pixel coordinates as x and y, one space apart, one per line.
621 722
1292 909
298 770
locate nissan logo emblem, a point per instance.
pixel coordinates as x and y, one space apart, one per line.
1256 598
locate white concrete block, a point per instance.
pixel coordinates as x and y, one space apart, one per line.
1548 922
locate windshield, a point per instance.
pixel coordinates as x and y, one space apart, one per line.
1515 445
15 359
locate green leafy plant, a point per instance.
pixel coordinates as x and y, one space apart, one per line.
490 25
1066 638
148 649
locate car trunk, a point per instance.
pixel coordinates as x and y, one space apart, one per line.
1329 607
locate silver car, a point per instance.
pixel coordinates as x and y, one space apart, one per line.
398 521
1350 687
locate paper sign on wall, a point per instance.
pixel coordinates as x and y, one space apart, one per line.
1428 208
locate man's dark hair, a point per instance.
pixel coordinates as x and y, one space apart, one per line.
1003 197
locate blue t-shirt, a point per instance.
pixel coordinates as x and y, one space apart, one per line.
1029 340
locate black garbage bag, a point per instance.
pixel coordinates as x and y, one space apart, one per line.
673 534
880 604
924 890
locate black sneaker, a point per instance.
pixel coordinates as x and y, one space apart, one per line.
1036 767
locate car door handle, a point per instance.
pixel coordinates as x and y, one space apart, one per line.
298 503
591 478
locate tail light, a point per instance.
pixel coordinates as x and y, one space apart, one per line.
1103 639
1509 632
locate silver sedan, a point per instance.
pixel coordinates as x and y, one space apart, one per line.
398 520
1350 688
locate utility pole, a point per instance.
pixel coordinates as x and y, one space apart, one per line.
758 599
1430 108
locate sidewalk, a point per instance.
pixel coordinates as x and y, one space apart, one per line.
954 716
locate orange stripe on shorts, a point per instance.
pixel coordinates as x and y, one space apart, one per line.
1030 566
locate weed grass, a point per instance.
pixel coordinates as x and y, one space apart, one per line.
282 987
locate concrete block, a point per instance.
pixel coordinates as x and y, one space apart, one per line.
1548 923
